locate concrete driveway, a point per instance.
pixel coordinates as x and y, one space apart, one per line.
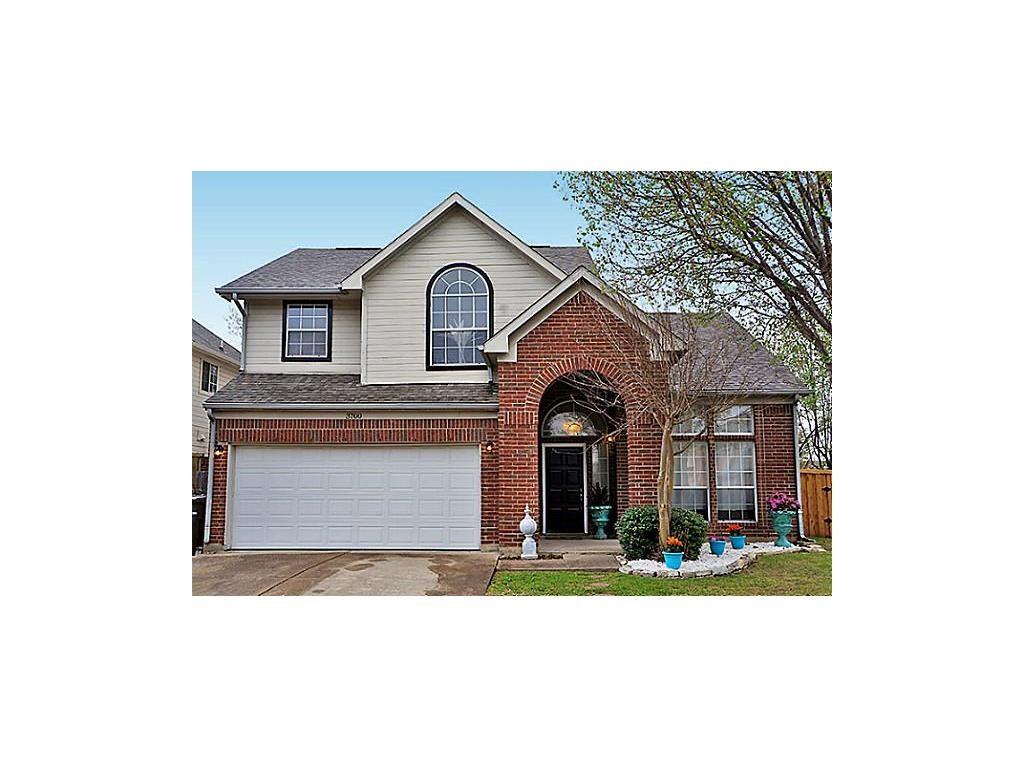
343 573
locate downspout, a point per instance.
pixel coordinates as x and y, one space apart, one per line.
245 319
209 475
796 460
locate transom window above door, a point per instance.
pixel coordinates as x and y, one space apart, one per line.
307 331
460 318
567 419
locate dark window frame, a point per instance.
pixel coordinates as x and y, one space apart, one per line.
285 357
431 366
204 376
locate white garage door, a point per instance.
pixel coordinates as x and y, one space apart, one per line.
356 497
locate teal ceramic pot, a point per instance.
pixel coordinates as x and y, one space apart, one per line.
599 516
673 560
782 524
738 542
718 547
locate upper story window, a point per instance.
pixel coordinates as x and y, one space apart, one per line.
460 318
307 331
208 378
737 420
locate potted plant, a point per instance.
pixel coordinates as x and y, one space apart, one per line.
783 507
736 536
673 553
600 509
717 546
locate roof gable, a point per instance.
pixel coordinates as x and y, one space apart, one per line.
582 279
354 281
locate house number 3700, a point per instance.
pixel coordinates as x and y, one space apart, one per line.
353 415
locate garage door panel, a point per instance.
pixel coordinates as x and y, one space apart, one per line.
341 480
371 497
341 536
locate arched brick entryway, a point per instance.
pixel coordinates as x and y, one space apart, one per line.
542 359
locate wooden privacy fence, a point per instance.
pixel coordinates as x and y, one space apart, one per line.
816 495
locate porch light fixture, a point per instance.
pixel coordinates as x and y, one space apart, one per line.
488 446
219 450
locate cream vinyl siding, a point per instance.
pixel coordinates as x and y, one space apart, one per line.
263 338
395 295
200 424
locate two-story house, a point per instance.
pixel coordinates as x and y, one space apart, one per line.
214 364
415 397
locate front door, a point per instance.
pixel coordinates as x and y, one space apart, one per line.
564 480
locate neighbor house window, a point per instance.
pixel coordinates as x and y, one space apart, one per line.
307 331
734 470
460 318
209 377
690 478
737 420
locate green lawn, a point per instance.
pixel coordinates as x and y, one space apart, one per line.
801 573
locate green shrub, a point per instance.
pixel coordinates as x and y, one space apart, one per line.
637 529
693 531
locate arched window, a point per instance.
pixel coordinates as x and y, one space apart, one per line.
567 419
460 318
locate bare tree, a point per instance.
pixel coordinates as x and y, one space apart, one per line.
234 320
680 366
757 244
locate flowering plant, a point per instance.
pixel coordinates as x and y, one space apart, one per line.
734 529
782 502
673 545
715 538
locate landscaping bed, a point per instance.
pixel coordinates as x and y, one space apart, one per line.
708 564
799 573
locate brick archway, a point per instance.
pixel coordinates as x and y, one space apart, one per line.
570 340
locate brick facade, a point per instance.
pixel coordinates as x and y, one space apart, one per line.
775 468
571 339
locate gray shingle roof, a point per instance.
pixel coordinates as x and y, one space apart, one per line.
325 268
204 337
262 389
755 369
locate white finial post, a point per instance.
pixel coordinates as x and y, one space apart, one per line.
528 527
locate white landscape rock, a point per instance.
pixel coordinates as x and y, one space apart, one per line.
708 564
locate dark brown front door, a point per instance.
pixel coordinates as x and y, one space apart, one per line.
563 489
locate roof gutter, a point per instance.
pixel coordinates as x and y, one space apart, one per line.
351 406
228 293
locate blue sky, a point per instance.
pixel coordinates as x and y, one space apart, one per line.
243 220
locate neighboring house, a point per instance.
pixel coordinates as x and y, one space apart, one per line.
214 364
413 397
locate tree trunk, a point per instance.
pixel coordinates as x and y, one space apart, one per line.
665 472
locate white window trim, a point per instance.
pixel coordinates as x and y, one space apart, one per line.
202 379
431 330
753 451
707 464
326 331
753 425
